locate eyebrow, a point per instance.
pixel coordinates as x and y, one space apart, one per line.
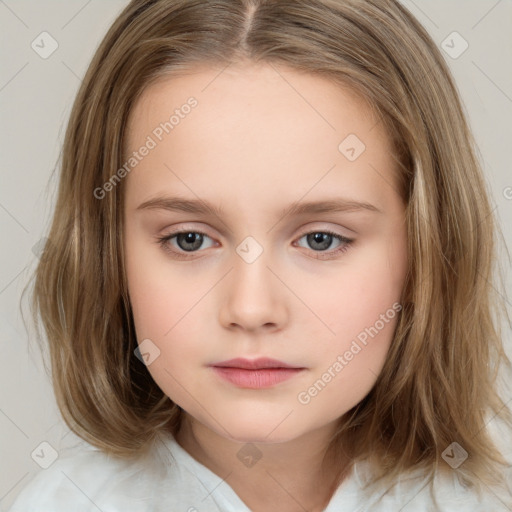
180 204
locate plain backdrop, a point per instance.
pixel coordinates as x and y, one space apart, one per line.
36 95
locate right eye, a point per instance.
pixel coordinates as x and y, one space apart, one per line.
188 241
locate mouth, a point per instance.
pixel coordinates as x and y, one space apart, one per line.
255 374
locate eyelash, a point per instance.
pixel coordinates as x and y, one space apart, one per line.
164 243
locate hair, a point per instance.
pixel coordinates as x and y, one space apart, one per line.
439 383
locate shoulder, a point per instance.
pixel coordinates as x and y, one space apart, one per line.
412 491
449 495
84 477
88 480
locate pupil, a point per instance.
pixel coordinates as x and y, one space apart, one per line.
193 239
324 239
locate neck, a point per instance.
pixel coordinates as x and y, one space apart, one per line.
293 474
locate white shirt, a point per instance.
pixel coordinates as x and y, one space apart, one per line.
84 479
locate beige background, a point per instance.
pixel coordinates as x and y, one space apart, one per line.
36 95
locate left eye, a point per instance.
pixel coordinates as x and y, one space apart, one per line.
191 241
323 239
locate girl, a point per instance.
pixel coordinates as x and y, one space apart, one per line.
267 285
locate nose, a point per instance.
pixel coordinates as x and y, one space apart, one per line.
253 297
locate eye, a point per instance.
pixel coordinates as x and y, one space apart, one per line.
322 240
191 241
187 242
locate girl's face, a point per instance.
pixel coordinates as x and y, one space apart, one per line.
220 157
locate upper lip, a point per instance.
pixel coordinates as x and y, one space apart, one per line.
253 364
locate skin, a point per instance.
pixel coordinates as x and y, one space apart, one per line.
261 138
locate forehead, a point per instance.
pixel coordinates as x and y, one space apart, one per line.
245 94
257 129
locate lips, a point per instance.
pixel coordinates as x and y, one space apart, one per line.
253 364
255 373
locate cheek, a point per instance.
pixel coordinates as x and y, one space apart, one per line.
348 363
161 294
361 307
168 313
355 295
166 302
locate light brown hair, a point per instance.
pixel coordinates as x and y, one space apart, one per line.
439 382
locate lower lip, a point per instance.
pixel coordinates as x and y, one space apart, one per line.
256 379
